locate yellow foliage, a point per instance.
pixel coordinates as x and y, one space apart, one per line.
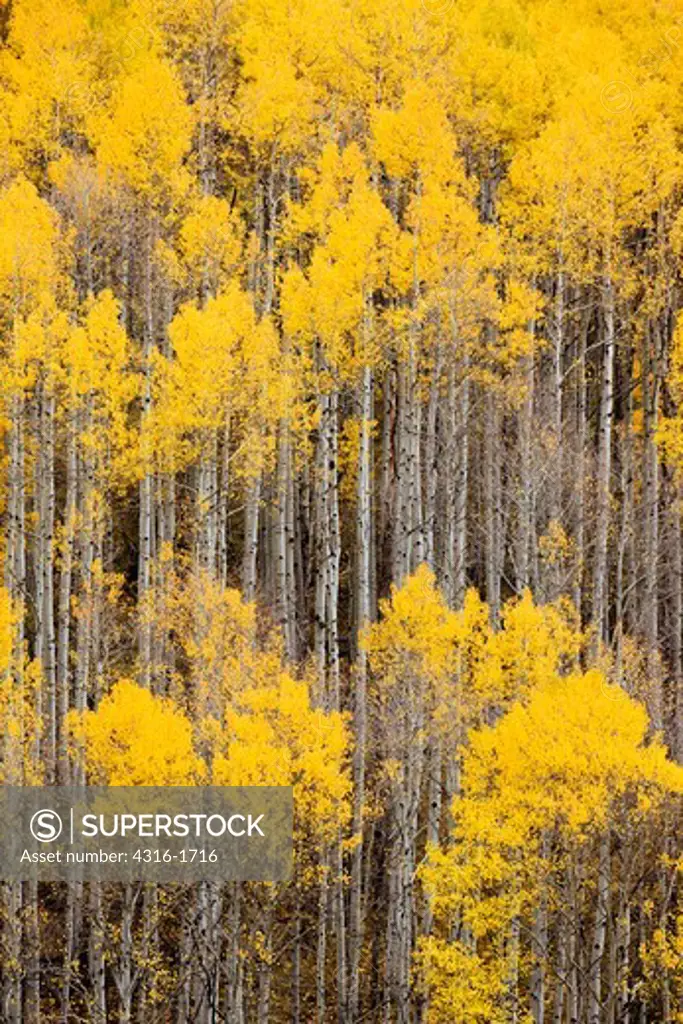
588 177
211 240
417 137
535 643
29 234
272 735
143 135
662 957
469 988
21 726
135 739
7 621
670 432
48 75
416 634
461 663
256 723
216 635
538 787
224 369
358 242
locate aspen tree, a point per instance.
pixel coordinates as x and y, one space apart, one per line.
317 299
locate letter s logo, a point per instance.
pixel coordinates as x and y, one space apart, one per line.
46 826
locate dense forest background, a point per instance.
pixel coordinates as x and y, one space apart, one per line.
341 377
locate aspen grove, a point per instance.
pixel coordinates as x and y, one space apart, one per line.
341 403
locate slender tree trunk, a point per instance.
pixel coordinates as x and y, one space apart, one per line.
526 513
295 1014
284 582
626 519
146 520
676 742
538 979
223 505
363 556
65 589
234 996
431 474
651 517
604 493
599 933
96 954
251 525
321 951
48 619
492 506
580 461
